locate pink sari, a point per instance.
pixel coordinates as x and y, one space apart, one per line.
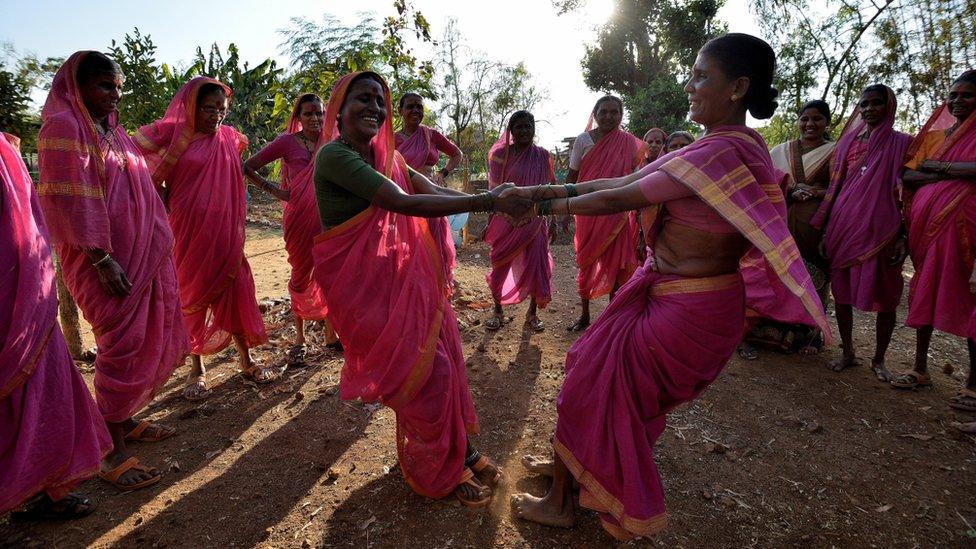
861 218
941 220
605 244
207 209
521 265
419 152
301 224
97 195
51 434
664 338
383 279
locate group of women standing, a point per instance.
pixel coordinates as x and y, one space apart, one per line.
151 233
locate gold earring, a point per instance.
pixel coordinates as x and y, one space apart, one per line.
735 98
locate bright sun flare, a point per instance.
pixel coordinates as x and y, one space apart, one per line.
599 11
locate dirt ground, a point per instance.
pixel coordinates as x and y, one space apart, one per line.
779 452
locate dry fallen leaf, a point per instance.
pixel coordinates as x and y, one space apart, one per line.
884 508
916 436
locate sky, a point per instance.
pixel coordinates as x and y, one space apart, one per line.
529 31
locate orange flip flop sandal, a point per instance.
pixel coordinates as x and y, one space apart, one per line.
112 477
136 435
485 462
467 479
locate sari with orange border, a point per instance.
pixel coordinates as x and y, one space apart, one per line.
605 244
51 434
664 338
941 219
97 192
384 282
521 265
207 210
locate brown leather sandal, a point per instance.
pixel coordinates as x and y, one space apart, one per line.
484 462
468 479
162 433
131 464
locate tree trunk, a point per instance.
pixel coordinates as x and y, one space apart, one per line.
68 313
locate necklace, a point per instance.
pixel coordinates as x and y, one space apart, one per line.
108 136
305 142
342 140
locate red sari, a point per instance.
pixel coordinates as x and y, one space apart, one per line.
941 220
51 434
383 279
605 244
207 210
664 338
97 193
860 214
521 265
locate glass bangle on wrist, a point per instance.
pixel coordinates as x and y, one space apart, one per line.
103 260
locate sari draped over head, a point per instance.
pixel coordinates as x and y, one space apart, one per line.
606 244
207 210
51 434
301 224
521 265
383 280
664 338
418 151
860 216
941 220
141 337
646 158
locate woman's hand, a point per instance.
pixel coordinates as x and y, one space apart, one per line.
521 192
803 193
510 203
113 279
899 250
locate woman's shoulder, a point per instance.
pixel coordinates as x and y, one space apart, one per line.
62 124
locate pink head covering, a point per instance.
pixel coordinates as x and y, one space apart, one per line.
165 140
384 143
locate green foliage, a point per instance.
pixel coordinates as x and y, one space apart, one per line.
15 115
145 96
477 94
832 52
645 52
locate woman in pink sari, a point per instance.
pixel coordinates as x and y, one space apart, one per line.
606 251
51 434
940 207
672 328
864 238
421 147
195 159
296 148
115 248
521 265
384 282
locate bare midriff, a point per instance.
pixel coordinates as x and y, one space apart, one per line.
686 251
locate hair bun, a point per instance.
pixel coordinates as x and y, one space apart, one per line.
762 104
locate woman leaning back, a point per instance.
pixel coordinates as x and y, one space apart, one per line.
940 209
672 328
383 279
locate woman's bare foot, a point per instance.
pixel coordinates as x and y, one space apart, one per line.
581 324
842 363
881 371
544 510
538 465
471 493
132 477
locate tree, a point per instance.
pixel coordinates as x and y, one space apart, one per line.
478 94
644 54
15 115
321 53
147 94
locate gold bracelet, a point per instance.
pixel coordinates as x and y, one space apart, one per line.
104 258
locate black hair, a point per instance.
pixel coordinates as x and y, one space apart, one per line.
880 89
210 88
820 105
410 94
745 55
679 133
95 64
518 115
613 98
305 98
968 77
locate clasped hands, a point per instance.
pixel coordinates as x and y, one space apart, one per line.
514 203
